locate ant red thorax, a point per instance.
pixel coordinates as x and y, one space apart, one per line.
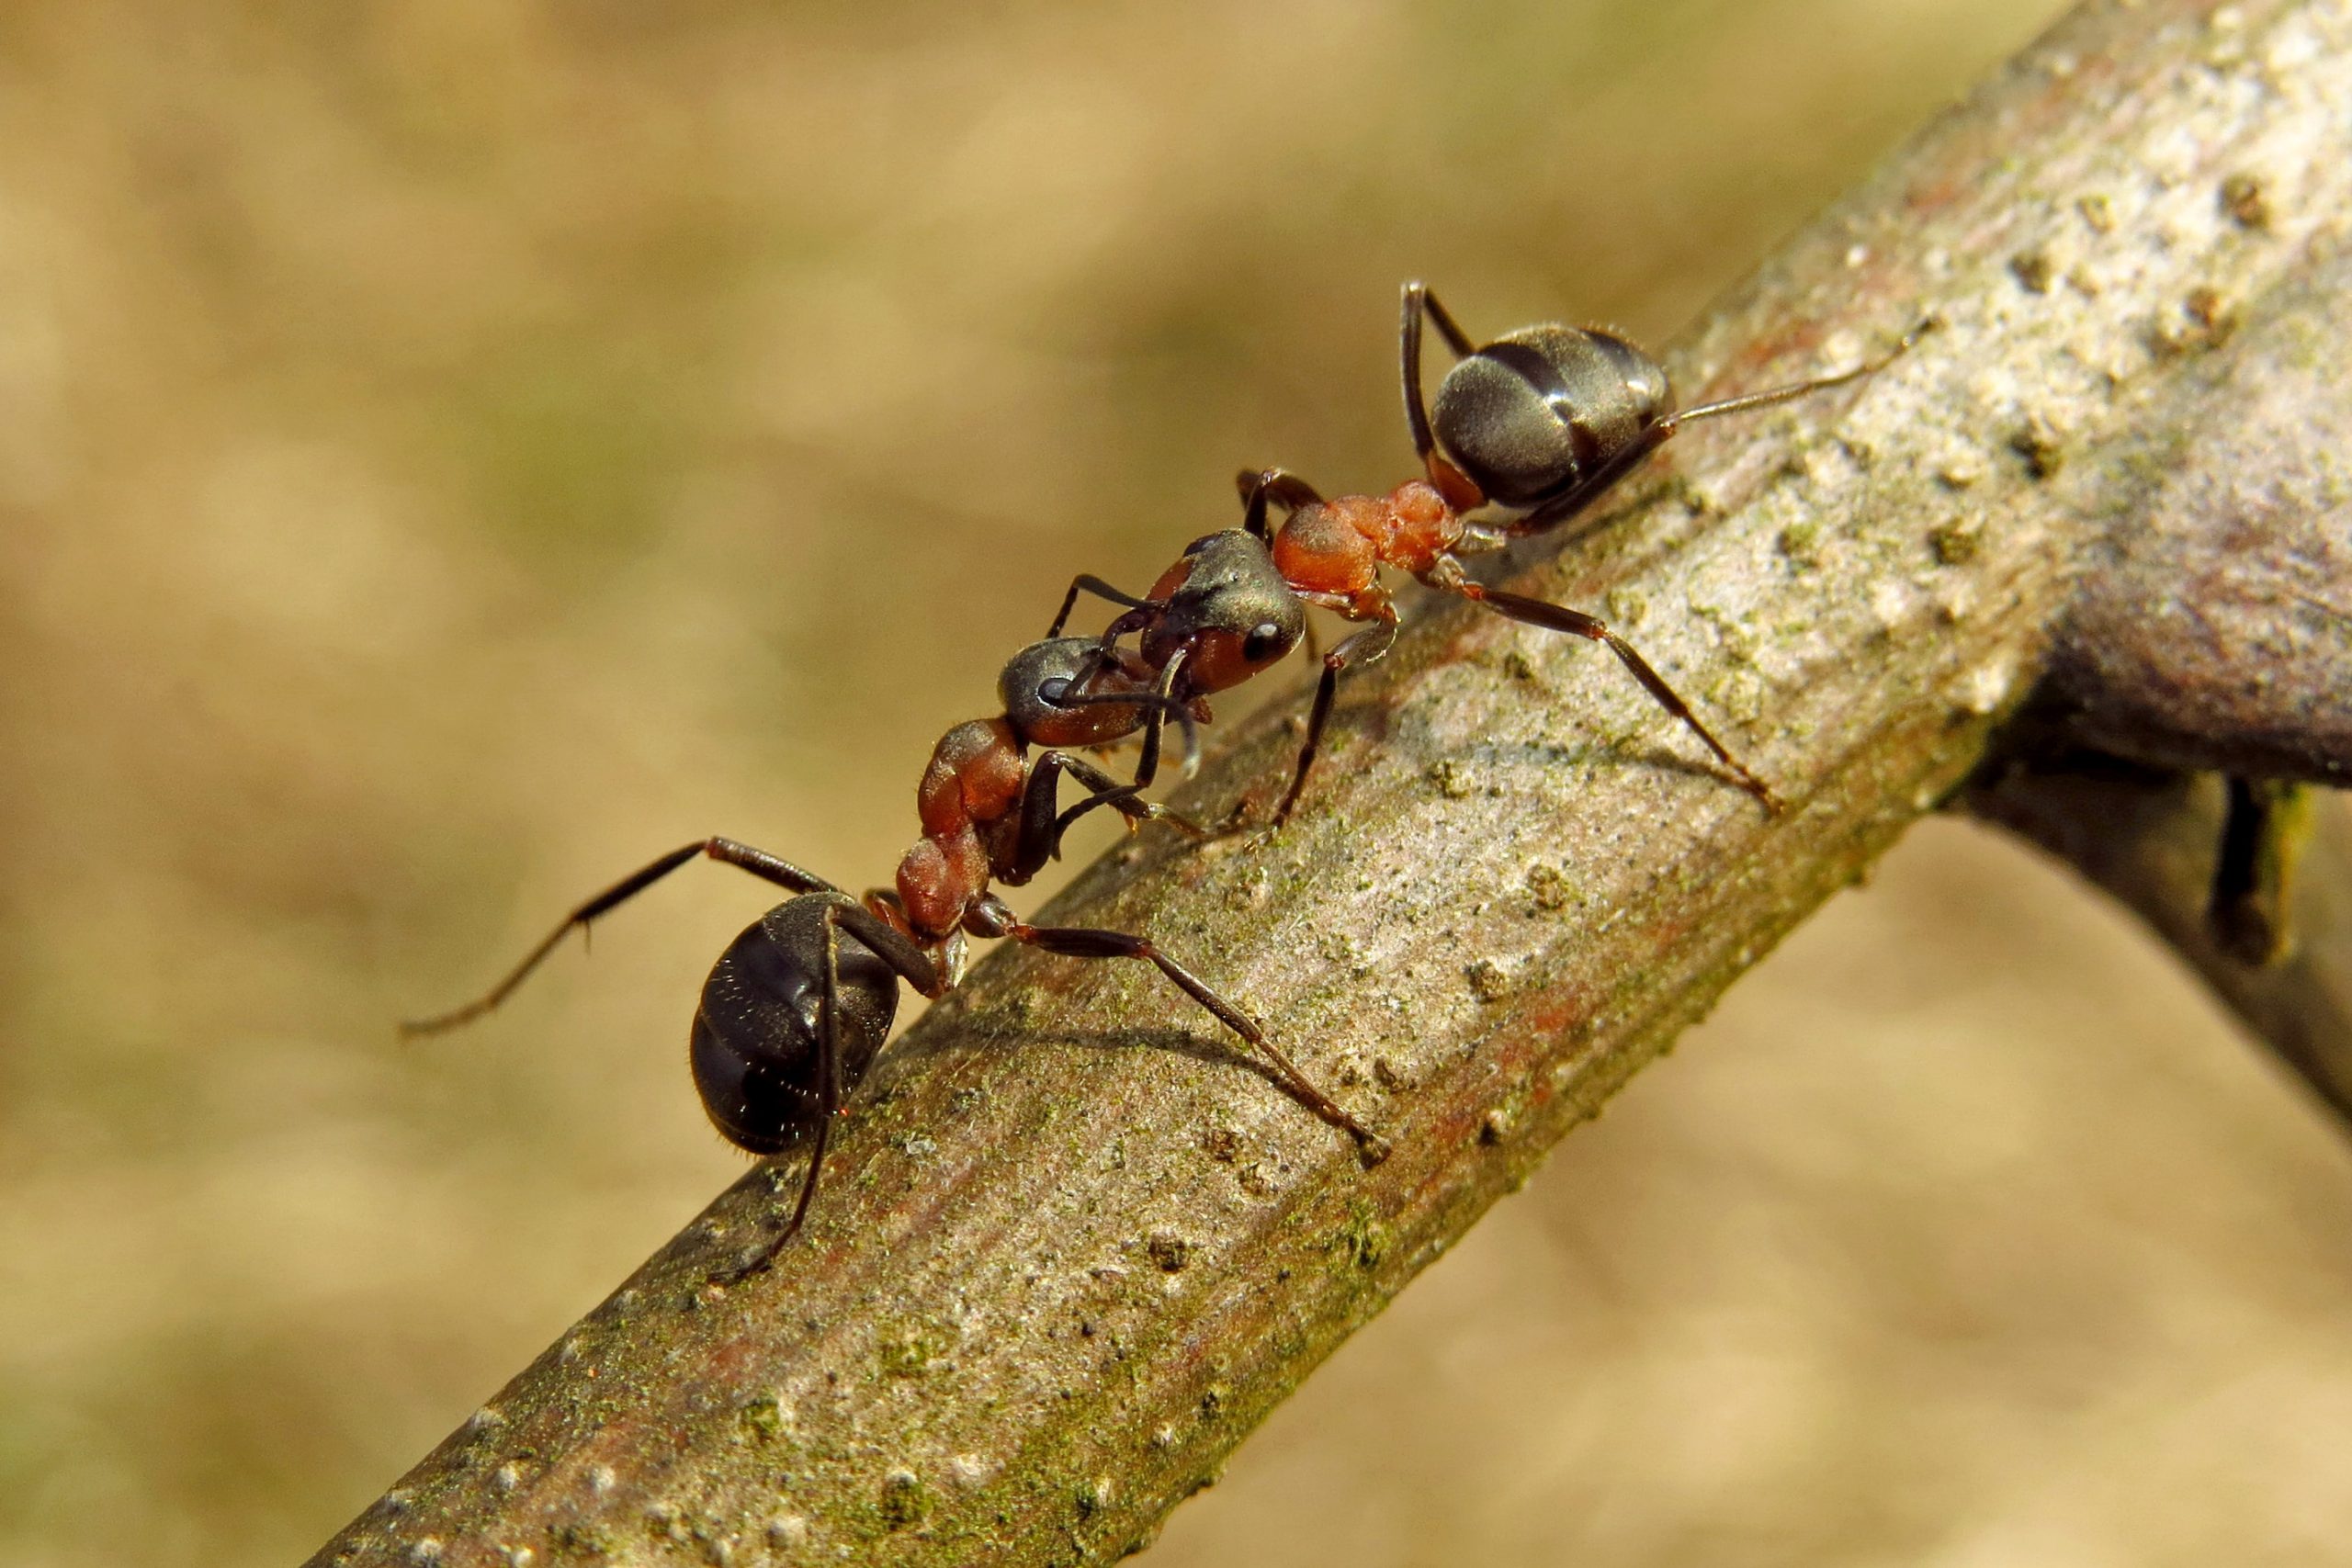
1331 552
974 797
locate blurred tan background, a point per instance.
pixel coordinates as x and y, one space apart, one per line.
452 449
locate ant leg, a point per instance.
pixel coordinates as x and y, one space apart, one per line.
1161 704
988 917
1038 838
1087 583
1165 702
829 1105
1559 618
1455 338
2262 839
1121 796
1550 513
829 1102
1040 831
912 966
1418 301
726 852
1285 488
1161 707
1362 647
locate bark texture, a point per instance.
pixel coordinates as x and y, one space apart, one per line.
1070 1248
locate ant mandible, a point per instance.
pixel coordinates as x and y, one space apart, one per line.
1545 419
798 1005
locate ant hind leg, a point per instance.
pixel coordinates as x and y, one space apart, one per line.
1560 618
1090 941
726 852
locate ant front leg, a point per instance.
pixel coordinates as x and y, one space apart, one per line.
1043 822
1278 486
726 852
1362 647
988 917
1559 618
1087 583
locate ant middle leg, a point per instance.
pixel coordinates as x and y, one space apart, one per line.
726 852
1087 583
1280 487
1420 302
1560 618
988 917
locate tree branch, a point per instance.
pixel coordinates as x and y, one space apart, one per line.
2211 633
1070 1250
2148 837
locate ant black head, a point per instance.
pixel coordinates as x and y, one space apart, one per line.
754 1048
1225 603
1541 410
1077 691
1073 690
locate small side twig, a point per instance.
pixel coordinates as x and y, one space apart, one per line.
2149 839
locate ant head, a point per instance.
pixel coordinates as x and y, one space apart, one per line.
1542 408
1225 603
1066 690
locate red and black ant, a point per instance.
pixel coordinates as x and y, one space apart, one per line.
1545 419
798 1005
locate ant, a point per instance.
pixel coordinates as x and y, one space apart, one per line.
1545 419
798 1005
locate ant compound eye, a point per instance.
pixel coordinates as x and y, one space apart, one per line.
1264 642
1052 690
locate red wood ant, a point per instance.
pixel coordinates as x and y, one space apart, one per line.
1545 419
798 1005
